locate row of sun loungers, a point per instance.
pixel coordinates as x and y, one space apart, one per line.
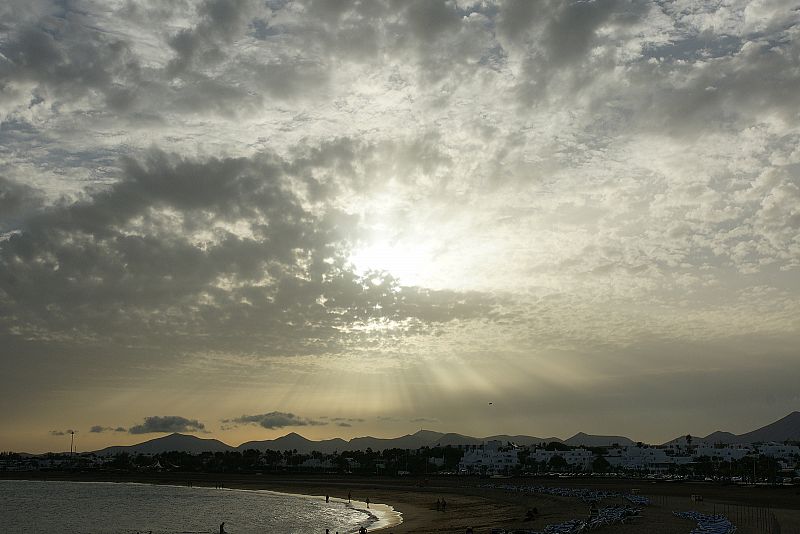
708 524
584 494
606 516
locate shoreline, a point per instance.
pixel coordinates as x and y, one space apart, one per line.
473 502
383 515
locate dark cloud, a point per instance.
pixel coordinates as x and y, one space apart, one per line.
221 21
237 55
167 423
62 432
345 419
67 62
274 420
16 199
754 79
72 64
344 422
155 254
427 21
560 46
423 420
99 429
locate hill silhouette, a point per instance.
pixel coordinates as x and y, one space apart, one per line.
784 429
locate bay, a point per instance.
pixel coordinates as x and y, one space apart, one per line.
123 508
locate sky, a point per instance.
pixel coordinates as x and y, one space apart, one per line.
243 218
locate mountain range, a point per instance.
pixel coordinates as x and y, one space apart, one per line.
784 429
787 428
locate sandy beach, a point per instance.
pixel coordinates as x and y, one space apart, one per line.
471 502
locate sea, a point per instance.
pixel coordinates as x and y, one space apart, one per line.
56 507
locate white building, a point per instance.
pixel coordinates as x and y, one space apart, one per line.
727 454
646 458
787 453
777 450
491 459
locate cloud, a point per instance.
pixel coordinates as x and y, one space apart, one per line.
17 199
225 190
167 423
424 420
221 21
62 432
239 255
274 420
344 422
99 429
43 57
388 419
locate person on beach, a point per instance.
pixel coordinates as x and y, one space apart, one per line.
438 504
348 495
222 528
367 503
327 498
444 505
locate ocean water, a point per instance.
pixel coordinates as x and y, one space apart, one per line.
106 508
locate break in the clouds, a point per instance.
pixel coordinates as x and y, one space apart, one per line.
364 208
167 423
273 420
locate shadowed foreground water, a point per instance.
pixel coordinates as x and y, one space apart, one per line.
105 508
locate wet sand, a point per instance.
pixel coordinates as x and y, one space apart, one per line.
471 504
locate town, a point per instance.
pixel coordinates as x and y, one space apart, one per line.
680 460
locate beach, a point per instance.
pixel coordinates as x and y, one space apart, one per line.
483 503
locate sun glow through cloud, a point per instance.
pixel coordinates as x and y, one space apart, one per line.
411 264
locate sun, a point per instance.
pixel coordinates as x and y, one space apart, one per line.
408 262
